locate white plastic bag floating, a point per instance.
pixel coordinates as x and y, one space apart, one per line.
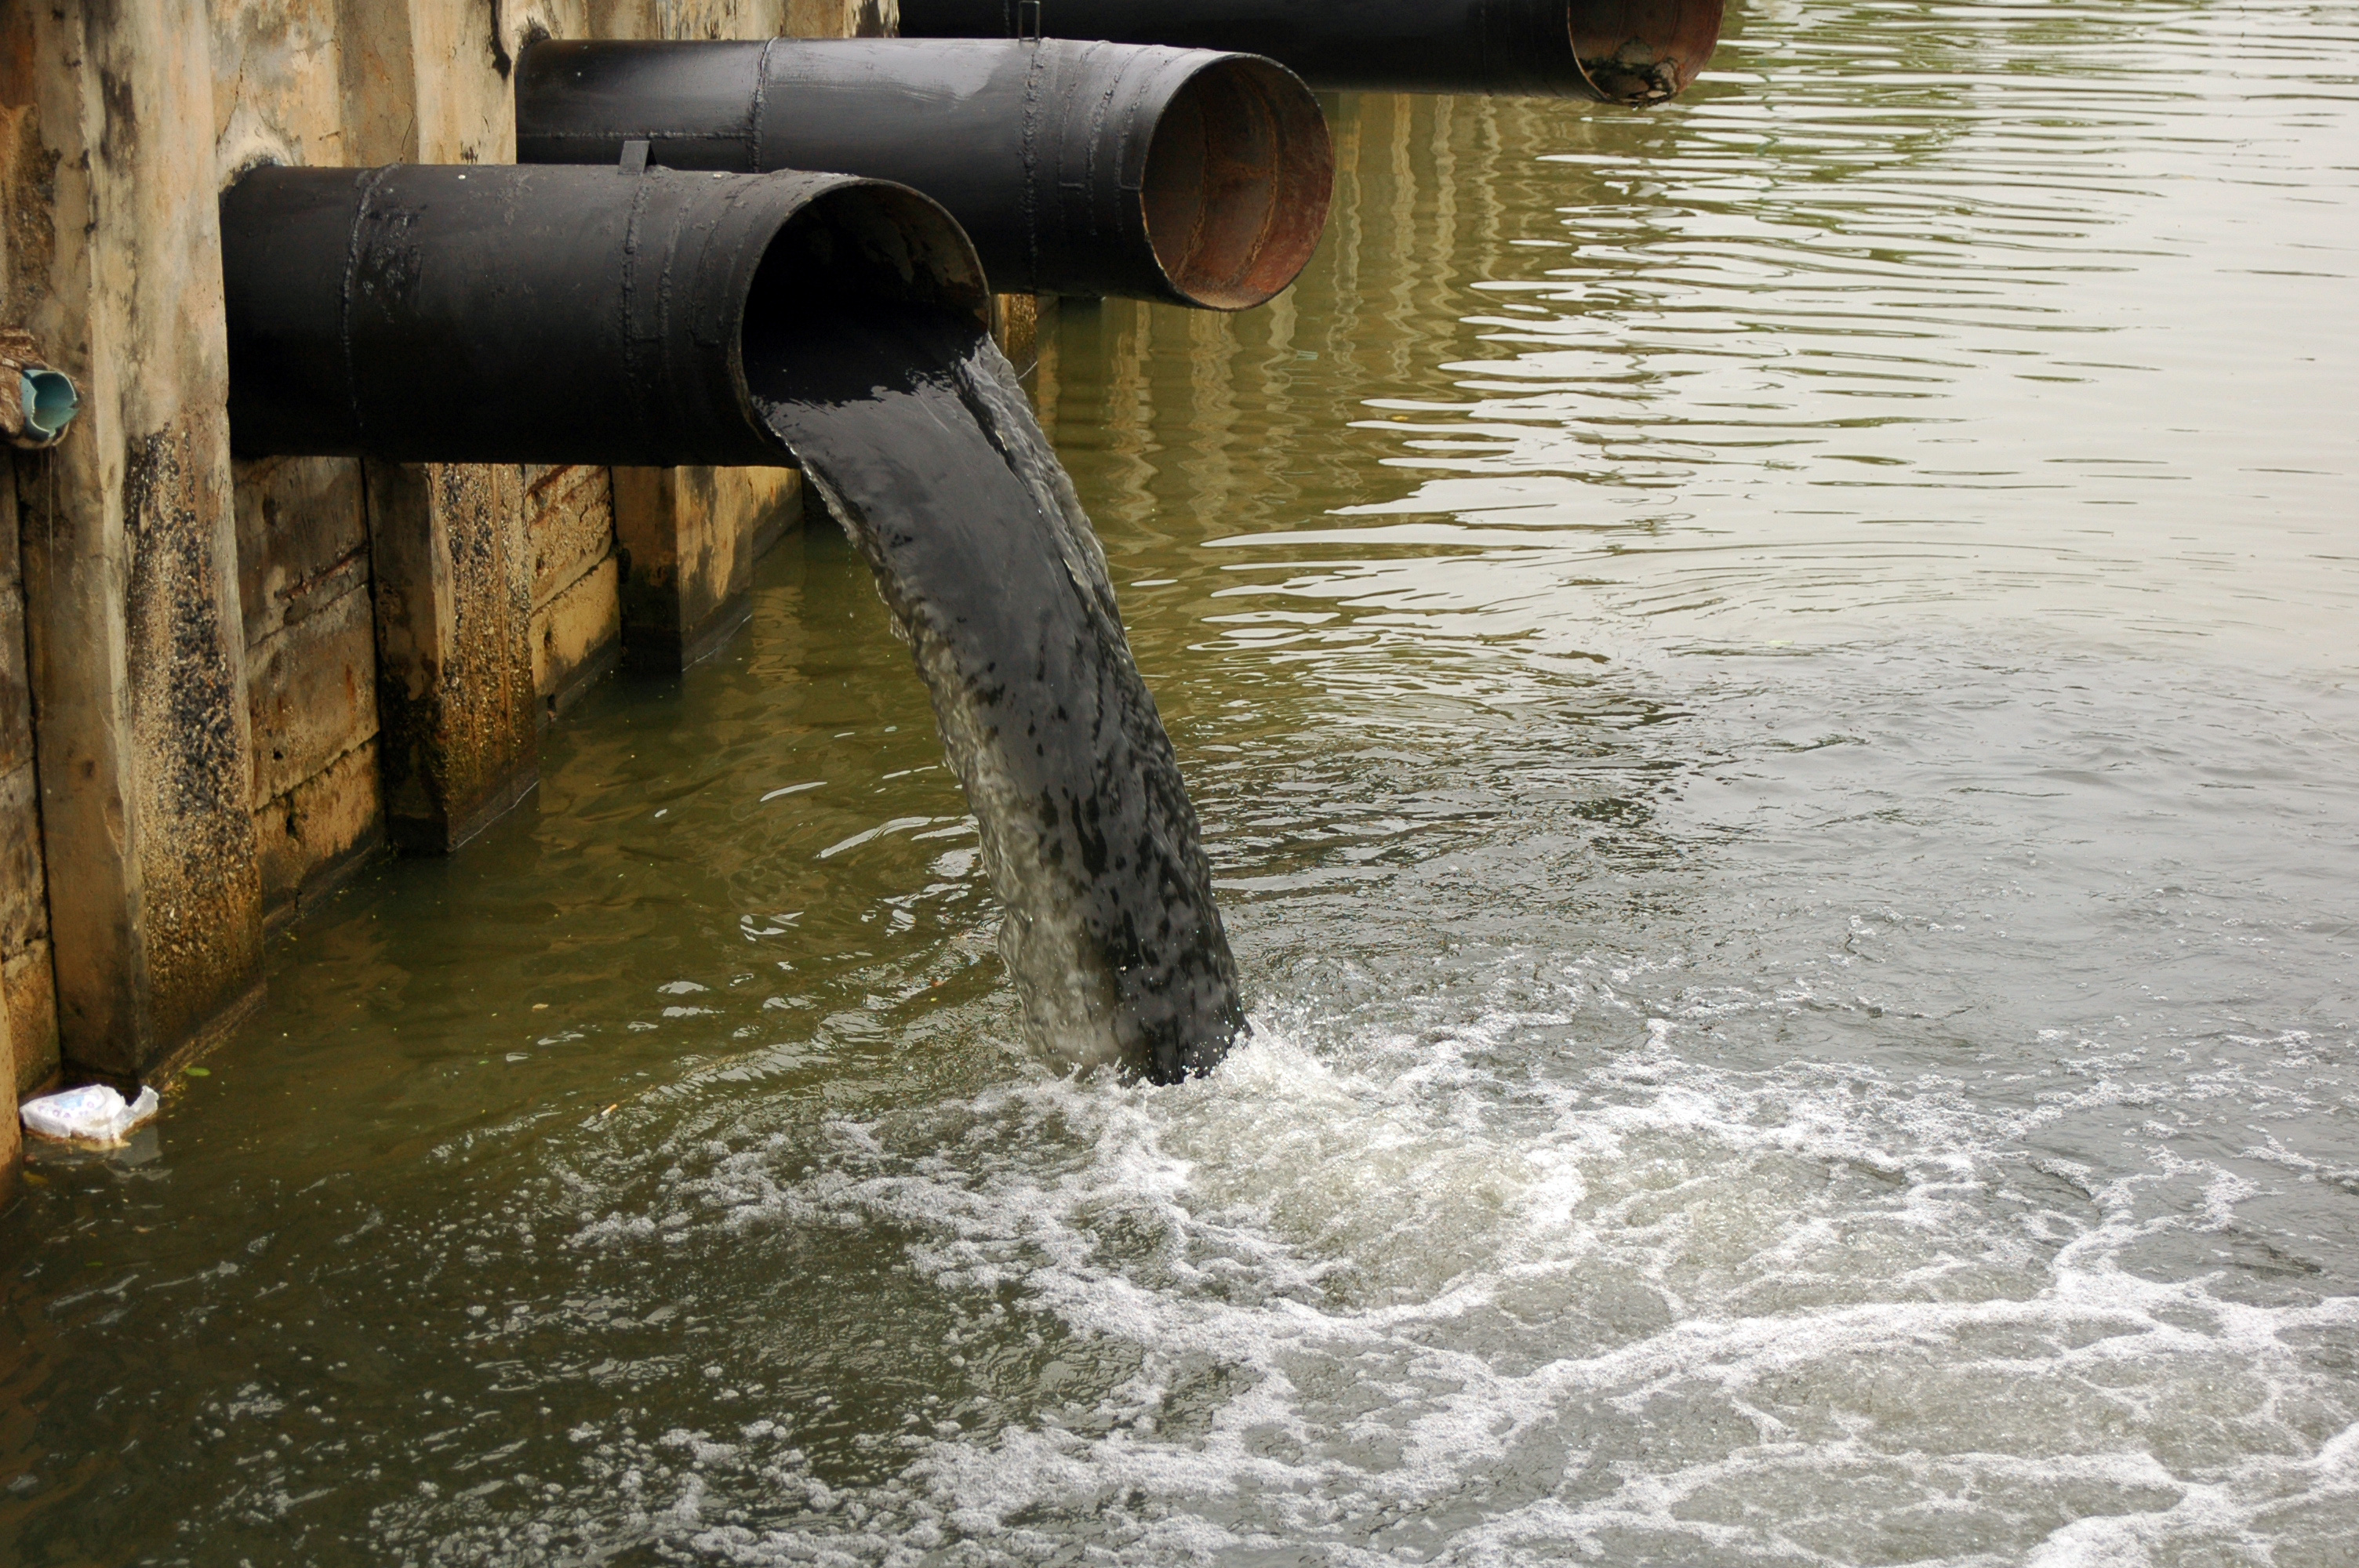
94 1114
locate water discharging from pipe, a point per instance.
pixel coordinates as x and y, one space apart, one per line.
910 423
664 318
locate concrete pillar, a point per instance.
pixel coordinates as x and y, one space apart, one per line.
304 582
1026 334
841 19
688 539
577 624
459 742
459 736
21 881
132 609
1018 331
28 996
12 1131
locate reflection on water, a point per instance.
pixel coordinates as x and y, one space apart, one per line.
1768 686
2039 314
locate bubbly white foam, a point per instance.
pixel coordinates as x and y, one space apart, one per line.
1381 1299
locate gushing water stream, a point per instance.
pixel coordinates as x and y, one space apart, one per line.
912 425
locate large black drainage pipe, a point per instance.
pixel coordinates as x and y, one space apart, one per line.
1080 169
1622 51
490 314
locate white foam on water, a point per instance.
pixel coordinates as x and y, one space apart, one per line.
1386 1298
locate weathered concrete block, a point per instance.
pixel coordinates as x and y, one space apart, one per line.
457 709
577 636
460 59
30 988
689 539
1041 377
277 90
842 19
311 690
12 1135
29 981
711 19
136 630
773 498
312 835
577 621
1017 331
12 562
16 693
302 538
569 523
24 911
25 931
303 566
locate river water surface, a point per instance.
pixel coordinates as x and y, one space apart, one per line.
1769 685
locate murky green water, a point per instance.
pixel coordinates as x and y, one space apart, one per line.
1771 683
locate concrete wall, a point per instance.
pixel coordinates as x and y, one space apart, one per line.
223 685
135 663
28 997
304 585
12 1136
577 614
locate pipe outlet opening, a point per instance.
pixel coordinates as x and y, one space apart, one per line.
1237 182
1642 51
861 244
504 314
50 403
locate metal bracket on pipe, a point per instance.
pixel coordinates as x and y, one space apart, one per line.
634 156
36 403
1032 9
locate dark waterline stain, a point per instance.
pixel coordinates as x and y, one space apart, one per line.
910 423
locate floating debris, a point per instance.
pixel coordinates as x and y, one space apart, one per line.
95 1116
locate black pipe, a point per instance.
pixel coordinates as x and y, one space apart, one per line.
1622 51
491 314
1078 168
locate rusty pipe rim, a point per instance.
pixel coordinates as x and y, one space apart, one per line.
1238 176
1642 51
